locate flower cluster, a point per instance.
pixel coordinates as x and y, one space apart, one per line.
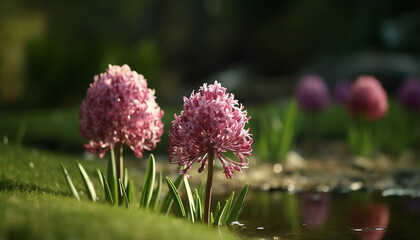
367 98
409 94
212 122
119 108
312 94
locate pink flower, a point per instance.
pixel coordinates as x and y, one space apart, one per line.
367 98
372 218
312 94
314 208
119 108
211 121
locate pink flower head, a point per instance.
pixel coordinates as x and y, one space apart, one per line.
119 108
211 121
312 94
367 98
409 94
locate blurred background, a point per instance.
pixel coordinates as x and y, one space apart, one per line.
50 51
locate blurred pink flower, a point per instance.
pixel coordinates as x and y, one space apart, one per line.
312 94
314 208
119 108
211 121
371 220
409 94
367 98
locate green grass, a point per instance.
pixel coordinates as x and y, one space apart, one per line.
35 203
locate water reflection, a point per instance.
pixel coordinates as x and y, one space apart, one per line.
314 208
311 215
369 221
291 211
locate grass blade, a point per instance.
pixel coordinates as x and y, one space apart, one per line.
125 178
89 185
167 201
149 182
238 205
70 182
100 177
198 206
201 190
112 178
156 193
124 193
107 190
190 199
175 196
262 143
289 128
130 191
211 219
226 210
217 212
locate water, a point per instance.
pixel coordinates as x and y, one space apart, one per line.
310 215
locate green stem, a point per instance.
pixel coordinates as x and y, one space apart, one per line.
367 136
209 187
112 178
120 167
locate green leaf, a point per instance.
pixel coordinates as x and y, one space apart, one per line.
167 201
89 185
125 177
201 190
107 191
130 191
190 199
262 143
124 193
238 205
112 178
217 212
211 222
149 182
175 196
100 177
156 193
288 130
226 210
70 182
198 206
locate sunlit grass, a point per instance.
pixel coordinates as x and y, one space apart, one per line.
36 204
31 215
